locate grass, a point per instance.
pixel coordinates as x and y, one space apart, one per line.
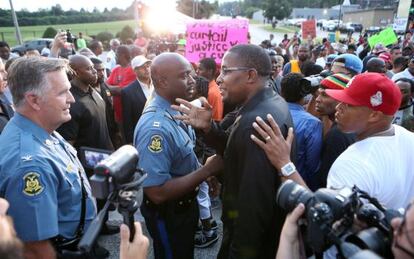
32 32
281 29
251 21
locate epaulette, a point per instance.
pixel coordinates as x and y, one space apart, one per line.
27 152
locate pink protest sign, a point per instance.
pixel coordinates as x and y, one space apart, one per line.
211 39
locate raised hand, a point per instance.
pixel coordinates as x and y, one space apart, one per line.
276 147
197 117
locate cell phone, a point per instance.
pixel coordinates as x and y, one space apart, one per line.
69 36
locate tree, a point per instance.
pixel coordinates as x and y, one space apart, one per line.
279 9
105 37
203 8
126 33
50 32
57 10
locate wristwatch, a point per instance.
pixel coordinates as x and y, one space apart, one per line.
287 169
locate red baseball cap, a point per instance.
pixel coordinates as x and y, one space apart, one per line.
372 90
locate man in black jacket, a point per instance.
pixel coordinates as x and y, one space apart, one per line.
135 95
88 126
252 219
102 88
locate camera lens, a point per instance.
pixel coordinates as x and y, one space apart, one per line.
290 194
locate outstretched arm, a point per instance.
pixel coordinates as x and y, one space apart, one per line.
276 147
197 117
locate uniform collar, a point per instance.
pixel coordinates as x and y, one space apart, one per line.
29 126
161 102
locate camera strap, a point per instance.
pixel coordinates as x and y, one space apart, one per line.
72 156
81 226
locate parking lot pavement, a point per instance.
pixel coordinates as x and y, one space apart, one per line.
111 242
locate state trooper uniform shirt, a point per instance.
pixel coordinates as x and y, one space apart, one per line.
40 177
165 145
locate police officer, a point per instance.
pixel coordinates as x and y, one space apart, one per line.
166 153
40 175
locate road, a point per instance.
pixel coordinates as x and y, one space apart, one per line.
112 242
259 34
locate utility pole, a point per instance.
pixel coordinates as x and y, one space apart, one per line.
16 24
195 8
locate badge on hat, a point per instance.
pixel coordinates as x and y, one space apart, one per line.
32 185
376 99
155 145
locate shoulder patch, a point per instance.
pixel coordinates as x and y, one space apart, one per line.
155 145
32 185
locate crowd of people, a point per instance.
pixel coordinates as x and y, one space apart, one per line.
324 115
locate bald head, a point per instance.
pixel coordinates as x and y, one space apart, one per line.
78 61
376 65
165 64
171 76
84 70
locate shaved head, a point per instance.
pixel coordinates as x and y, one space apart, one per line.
376 65
164 65
77 61
171 76
84 69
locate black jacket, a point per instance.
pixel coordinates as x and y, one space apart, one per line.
252 219
133 102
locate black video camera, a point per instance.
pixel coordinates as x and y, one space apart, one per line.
329 217
113 172
117 179
313 82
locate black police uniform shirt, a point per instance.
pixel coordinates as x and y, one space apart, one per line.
88 126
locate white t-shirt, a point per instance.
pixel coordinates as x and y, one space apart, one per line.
383 166
147 89
110 60
403 74
321 62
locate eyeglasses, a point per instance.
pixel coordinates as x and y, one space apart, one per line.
401 231
225 70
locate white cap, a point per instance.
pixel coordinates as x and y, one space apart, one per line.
45 52
139 61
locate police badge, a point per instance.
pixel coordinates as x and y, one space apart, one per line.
32 184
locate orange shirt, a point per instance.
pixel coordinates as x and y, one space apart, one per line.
214 98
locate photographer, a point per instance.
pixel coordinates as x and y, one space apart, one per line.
379 162
403 236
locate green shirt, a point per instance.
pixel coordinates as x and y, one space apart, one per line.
80 43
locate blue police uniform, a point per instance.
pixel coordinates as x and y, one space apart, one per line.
40 177
165 148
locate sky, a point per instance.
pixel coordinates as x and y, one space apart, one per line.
77 4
